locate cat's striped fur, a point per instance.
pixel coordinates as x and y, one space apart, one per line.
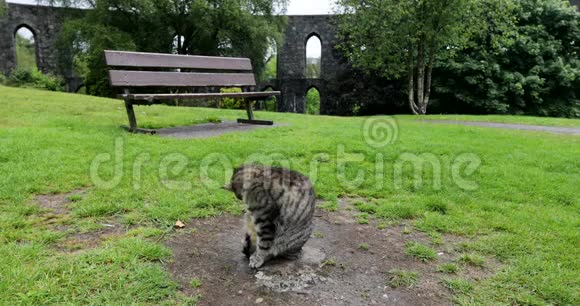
280 206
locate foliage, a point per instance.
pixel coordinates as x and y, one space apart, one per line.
3 8
25 53
271 70
407 37
208 27
35 78
231 103
270 104
524 212
365 93
535 72
88 39
313 102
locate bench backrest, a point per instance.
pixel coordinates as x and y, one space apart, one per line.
131 70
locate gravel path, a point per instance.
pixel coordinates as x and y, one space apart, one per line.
541 128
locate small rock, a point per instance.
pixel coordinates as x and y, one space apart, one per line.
259 300
440 253
386 296
240 292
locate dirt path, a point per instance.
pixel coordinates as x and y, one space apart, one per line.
540 128
333 269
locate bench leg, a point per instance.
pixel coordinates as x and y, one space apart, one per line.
131 115
249 110
251 119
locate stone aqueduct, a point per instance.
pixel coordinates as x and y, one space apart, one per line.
44 22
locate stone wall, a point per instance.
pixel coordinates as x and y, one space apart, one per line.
43 22
292 81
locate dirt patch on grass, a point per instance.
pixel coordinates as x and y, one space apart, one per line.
344 263
77 241
57 216
58 203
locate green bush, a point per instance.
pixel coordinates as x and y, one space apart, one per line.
313 102
231 103
35 78
3 79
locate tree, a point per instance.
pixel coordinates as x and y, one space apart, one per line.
535 72
204 27
398 37
271 70
313 101
313 65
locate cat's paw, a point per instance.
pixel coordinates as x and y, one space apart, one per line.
256 261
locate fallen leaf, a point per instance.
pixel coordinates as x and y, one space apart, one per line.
179 224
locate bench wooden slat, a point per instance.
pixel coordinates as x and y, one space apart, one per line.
147 97
126 78
156 60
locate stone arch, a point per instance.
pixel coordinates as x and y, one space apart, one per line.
35 41
318 106
309 37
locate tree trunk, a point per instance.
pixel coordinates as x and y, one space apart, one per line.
421 77
428 85
411 85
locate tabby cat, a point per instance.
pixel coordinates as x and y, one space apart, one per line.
279 210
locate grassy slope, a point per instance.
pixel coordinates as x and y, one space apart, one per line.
524 213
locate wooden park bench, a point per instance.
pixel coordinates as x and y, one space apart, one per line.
132 70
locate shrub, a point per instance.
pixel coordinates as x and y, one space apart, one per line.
231 103
35 78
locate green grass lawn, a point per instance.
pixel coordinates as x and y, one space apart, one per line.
523 210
